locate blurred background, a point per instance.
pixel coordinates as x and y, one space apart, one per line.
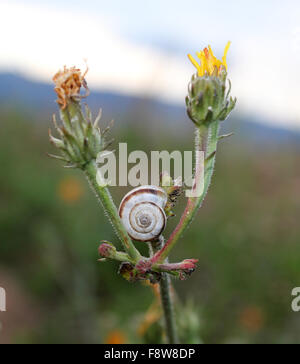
246 236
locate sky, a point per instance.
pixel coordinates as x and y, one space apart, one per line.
140 47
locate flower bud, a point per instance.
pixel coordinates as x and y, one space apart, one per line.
107 250
183 269
188 264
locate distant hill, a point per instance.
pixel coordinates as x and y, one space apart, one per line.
39 97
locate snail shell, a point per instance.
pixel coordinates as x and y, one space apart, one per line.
142 212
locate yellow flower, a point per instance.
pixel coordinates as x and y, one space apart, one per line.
209 64
153 314
252 318
70 190
115 337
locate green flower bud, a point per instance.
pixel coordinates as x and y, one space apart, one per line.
107 250
208 98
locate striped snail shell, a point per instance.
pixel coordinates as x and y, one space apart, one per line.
142 212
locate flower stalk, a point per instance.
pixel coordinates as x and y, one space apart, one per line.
109 207
81 140
206 139
208 103
166 299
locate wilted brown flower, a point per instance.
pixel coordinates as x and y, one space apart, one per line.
68 83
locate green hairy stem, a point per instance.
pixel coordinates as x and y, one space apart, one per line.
111 211
206 140
166 301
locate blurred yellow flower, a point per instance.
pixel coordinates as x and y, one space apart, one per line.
209 64
70 190
115 337
154 312
252 319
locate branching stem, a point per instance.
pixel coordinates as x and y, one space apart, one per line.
206 139
111 211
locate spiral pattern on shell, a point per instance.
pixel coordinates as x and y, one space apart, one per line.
142 212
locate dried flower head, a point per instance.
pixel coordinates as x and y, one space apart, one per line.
68 83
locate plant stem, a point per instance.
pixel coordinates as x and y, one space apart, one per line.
111 211
206 140
166 301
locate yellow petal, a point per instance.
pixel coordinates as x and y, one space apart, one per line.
225 54
203 63
211 52
194 62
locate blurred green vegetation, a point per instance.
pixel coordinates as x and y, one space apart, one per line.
246 238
